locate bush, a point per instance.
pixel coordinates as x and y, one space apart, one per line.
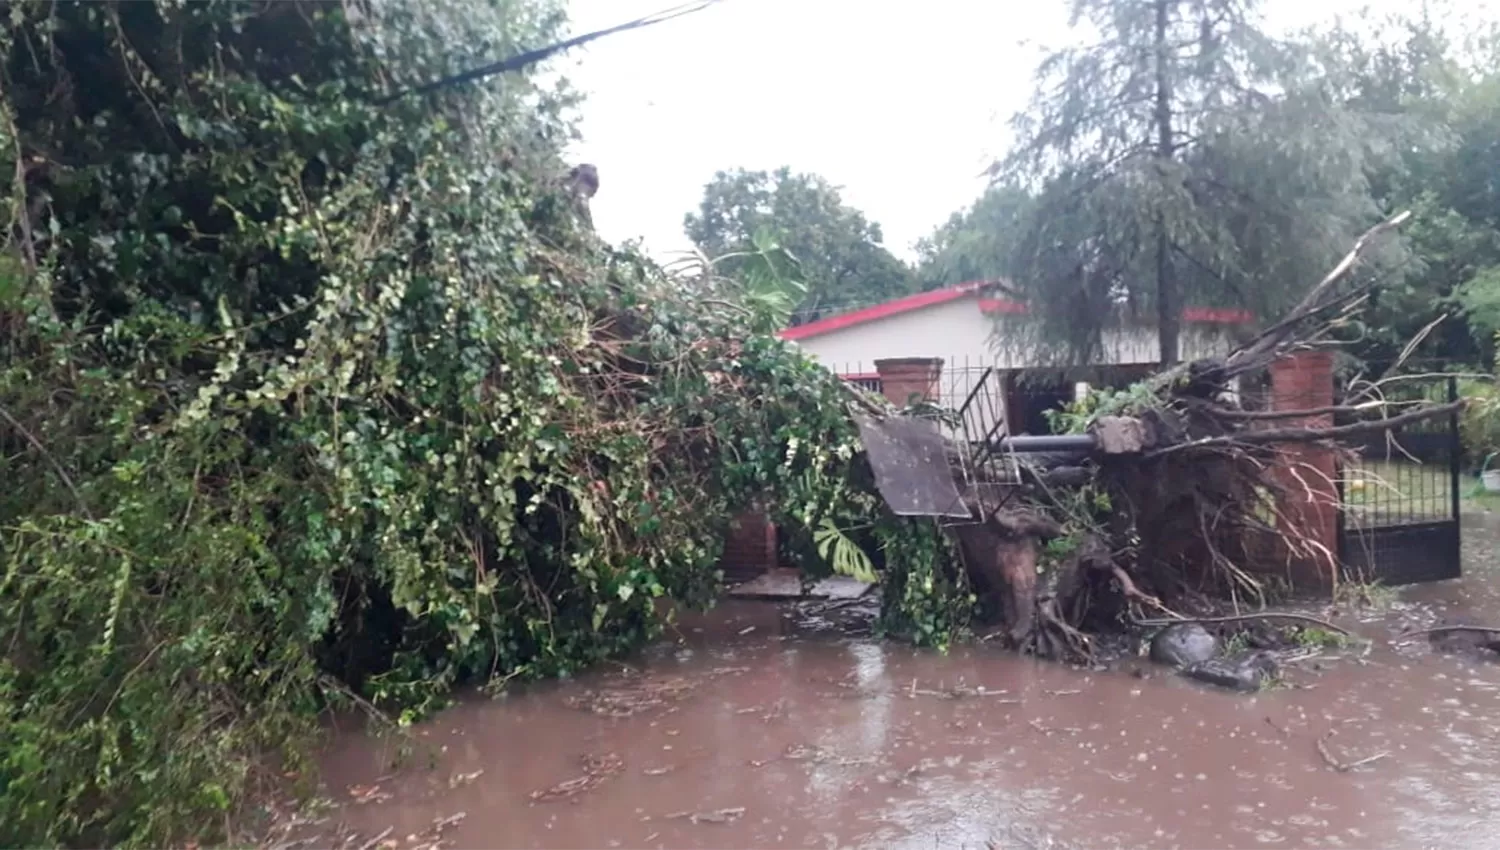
303 394
1479 427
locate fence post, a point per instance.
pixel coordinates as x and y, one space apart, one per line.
1309 472
1455 459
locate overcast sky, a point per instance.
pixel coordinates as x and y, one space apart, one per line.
900 103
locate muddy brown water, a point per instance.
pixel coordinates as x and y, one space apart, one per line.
749 731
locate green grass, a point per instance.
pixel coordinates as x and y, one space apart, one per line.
1476 498
1382 490
1378 492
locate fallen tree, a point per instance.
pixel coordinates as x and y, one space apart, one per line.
311 398
1181 495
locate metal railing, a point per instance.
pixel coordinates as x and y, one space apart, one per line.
1399 518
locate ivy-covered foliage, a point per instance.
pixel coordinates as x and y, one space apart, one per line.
304 395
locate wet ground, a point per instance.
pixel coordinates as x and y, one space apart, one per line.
747 731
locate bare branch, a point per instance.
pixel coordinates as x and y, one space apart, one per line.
1308 435
1269 340
57 467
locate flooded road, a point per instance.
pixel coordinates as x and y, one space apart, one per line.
753 733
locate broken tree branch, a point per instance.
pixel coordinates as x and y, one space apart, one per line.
1264 415
1269 340
1307 435
1342 766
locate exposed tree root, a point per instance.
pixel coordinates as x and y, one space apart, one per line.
1056 639
1127 586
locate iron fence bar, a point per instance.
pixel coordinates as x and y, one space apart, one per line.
1455 456
1340 516
968 400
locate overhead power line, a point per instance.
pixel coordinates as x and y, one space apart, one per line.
531 57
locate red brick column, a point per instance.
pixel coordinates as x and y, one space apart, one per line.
750 548
1303 381
904 377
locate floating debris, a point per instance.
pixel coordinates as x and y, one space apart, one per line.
643 694
458 779
364 794
716 816
596 769
378 839
959 691
632 699
1339 765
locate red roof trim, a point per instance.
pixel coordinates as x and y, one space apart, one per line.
880 311
1001 305
990 305
1217 315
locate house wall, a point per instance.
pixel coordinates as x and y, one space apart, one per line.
954 329
958 331
964 336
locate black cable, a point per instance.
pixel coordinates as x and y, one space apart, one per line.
531 57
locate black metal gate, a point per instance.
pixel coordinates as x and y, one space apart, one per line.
1398 519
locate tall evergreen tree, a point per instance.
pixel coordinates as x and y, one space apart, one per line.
1182 153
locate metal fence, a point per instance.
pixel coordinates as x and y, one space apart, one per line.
1399 519
858 373
989 391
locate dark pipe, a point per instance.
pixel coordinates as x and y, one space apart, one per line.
1050 443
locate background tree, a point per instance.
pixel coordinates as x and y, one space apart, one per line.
1473 193
1409 66
1463 248
842 259
977 243
1181 154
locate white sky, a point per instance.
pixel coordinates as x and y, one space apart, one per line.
901 104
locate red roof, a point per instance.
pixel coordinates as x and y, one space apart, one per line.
988 304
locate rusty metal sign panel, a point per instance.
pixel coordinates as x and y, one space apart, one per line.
910 466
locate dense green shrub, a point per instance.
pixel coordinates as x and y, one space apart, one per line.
1479 426
301 393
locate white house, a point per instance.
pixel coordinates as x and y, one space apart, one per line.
975 327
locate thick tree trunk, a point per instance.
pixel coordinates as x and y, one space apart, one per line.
1168 303
1002 568
1168 311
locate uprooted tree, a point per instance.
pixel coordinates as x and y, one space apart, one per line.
1183 491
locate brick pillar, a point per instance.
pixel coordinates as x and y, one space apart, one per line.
1303 381
903 377
750 548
